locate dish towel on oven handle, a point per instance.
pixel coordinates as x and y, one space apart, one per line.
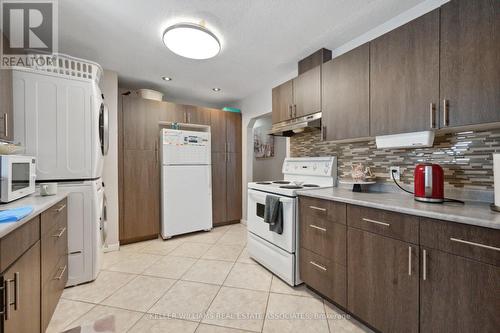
273 214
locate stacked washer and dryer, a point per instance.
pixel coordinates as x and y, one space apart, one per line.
61 118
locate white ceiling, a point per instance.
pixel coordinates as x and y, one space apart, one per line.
262 40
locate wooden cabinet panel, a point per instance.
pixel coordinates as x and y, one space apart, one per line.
470 62
458 294
383 281
282 102
234 187
219 215
18 241
54 217
346 96
218 130
386 223
464 240
171 112
233 132
52 291
198 115
26 317
140 122
6 105
324 209
307 93
141 195
404 77
324 275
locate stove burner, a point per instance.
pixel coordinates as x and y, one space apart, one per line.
310 185
281 182
291 187
264 183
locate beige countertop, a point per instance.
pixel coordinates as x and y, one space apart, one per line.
39 204
473 213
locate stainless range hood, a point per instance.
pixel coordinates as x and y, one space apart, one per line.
298 125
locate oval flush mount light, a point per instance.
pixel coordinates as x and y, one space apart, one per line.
192 41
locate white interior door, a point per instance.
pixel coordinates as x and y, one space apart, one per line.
186 199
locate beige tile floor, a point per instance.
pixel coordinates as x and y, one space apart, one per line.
203 282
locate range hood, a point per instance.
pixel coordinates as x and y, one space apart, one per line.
406 140
298 125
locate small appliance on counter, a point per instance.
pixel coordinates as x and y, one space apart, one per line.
18 176
496 174
429 183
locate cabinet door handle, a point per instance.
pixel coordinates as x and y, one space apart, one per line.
318 208
323 133
376 222
409 260
474 244
295 110
316 227
59 277
323 268
446 113
17 290
432 109
7 298
156 151
6 124
61 232
290 112
424 265
60 209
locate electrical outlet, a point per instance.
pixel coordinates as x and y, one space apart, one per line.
397 172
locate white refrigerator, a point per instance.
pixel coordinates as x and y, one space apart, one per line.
186 177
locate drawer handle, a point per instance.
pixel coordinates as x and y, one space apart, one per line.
323 268
376 222
318 208
424 265
8 303
474 244
316 227
60 209
59 277
409 260
61 232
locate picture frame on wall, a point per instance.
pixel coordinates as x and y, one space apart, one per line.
263 143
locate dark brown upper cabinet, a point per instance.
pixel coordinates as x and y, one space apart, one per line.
470 62
404 77
282 102
140 122
233 132
307 93
346 96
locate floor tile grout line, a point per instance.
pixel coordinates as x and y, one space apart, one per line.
326 317
267 304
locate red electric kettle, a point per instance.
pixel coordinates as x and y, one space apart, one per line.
429 183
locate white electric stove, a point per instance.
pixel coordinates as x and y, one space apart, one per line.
278 252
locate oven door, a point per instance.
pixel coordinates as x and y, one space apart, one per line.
257 226
18 177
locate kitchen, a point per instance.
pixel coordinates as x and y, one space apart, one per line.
333 168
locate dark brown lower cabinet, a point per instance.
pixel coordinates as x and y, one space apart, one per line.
233 187
226 188
141 196
22 279
219 202
458 294
383 281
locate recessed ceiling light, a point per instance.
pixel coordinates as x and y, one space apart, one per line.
166 78
191 41
216 89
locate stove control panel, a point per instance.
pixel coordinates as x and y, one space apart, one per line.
311 166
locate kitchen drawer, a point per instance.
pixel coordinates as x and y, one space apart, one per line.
385 223
325 210
52 290
323 237
56 215
482 244
13 245
54 246
324 276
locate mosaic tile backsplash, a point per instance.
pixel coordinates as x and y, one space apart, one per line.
466 157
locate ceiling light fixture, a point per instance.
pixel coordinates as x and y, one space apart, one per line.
216 89
192 41
166 78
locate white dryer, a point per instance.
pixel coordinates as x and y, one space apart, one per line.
61 120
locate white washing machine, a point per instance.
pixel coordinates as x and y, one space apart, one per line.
61 120
86 229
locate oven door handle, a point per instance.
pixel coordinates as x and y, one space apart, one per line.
260 197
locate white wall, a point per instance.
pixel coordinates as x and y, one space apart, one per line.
260 102
109 87
269 168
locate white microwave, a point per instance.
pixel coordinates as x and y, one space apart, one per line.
18 176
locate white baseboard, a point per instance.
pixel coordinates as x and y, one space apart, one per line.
243 222
111 247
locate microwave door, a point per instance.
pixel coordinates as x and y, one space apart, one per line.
20 176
